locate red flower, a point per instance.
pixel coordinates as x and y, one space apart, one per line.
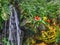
48 21
37 18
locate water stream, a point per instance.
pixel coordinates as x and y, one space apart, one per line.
14 29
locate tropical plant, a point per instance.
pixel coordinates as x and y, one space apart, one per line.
37 14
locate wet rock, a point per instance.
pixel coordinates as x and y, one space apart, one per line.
41 27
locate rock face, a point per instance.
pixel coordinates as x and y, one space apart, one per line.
41 27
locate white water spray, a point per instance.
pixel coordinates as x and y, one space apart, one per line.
14 30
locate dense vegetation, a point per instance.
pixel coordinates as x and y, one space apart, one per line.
39 19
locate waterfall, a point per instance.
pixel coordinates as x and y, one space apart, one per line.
14 29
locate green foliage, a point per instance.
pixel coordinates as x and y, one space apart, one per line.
42 8
38 7
31 8
4 9
5 41
4 12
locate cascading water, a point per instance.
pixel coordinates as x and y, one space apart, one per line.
14 31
